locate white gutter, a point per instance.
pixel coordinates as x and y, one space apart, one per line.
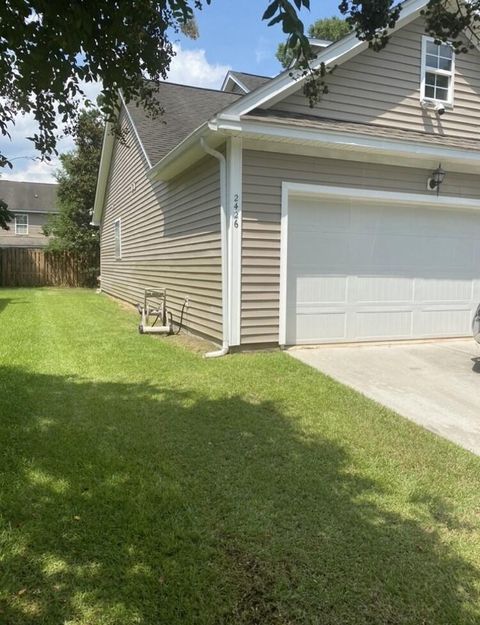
224 247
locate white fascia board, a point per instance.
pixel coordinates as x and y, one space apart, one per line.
231 77
335 54
395 198
348 141
103 173
234 203
134 130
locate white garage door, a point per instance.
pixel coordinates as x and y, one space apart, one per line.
359 271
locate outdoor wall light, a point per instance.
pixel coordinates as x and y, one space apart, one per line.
436 179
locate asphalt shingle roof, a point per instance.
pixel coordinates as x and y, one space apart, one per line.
251 81
29 196
185 109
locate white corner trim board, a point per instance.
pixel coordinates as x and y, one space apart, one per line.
234 190
373 196
224 247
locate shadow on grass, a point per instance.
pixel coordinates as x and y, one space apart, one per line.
124 504
4 302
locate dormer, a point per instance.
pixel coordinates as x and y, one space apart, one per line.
243 83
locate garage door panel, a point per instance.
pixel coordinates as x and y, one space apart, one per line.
307 324
361 272
313 247
321 289
444 291
378 289
441 322
381 324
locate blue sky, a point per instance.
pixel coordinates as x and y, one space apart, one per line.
232 36
232 32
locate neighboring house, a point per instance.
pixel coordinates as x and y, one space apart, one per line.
32 203
289 225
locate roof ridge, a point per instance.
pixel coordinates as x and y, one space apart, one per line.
52 184
179 84
236 71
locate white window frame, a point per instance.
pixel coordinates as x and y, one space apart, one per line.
440 72
22 225
117 224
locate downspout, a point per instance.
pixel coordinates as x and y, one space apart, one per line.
224 246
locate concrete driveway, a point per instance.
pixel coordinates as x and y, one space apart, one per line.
437 385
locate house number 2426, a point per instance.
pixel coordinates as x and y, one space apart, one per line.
236 213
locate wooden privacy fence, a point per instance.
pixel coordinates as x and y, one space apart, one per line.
36 267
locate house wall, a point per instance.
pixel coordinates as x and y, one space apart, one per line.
384 88
263 174
35 236
170 237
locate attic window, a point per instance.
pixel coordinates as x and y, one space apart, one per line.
438 68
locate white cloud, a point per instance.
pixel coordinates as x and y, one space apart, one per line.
33 171
188 67
191 67
21 151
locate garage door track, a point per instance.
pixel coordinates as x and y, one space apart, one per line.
437 385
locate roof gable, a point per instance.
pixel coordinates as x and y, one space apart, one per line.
383 88
284 84
185 109
246 82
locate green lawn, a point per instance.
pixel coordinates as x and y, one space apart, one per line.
141 484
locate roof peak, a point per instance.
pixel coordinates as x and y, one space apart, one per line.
179 84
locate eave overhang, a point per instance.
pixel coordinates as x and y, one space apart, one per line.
349 145
185 154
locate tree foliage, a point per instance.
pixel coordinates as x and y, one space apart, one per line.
371 22
5 215
50 51
329 28
70 228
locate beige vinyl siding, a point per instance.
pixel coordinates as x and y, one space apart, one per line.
35 234
263 174
170 237
384 88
